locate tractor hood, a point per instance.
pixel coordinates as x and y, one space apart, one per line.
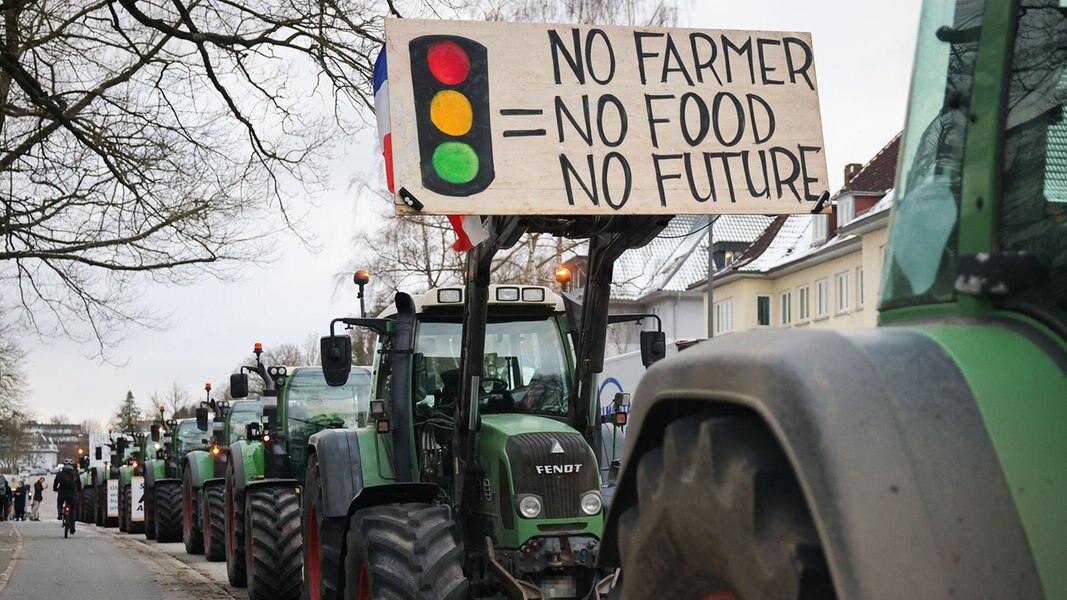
529 455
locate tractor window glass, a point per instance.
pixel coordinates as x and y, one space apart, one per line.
525 368
241 414
923 235
190 438
313 405
1034 199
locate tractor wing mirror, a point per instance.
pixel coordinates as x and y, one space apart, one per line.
653 347
336 352
99 453
155 432
238 385
201 418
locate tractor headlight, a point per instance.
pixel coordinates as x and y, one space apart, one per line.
530 506
591 503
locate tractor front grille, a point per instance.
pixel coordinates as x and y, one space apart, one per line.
558 478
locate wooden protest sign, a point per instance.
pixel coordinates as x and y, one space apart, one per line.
505 118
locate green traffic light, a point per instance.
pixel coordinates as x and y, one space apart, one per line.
455 162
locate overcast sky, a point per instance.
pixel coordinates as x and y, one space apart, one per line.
863 60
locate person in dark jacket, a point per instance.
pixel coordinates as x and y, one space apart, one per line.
5 498
67 485
38 496
20 500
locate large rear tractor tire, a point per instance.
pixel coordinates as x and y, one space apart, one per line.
168 511
122 509
149 513
191 534
235 530
324 541
405 551
132 526
720 514
101 505
274 557
214 511
88 509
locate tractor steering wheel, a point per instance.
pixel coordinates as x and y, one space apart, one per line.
499 385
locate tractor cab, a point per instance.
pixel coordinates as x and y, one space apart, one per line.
307 405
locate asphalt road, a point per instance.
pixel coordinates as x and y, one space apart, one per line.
37 563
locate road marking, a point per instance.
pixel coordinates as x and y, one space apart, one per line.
14 559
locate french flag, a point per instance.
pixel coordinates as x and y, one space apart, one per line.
469 230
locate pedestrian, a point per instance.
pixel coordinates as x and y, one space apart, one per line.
38 496
20 500
5 495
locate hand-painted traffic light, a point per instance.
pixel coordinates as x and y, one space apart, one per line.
450 79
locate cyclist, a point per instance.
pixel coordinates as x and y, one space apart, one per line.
67 485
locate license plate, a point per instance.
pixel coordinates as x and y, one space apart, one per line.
558 587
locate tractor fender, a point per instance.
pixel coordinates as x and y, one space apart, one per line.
200 467
341 466
393 493
886 441
247 460
214 481
153 471
273 482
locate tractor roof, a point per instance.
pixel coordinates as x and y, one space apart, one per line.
500 295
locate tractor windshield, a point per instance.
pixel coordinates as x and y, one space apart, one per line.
189 438
921 262
1034 202
525 368
312 405
241 414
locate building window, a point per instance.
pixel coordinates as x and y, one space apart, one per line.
842 292
728 257
803 304
822 298
763 311
859 288
786 302
724 316
820 229
846 210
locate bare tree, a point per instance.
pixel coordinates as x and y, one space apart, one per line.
145 140
176 401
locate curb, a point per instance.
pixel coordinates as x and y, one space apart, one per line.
6 576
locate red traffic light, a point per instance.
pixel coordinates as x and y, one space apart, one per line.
448 62
361 277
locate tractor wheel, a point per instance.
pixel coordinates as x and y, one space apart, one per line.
101 505
89 508
273 554
235 530
324 541
404 551
214 511
168 511
149 520
132 526
720 514
191 534
122 509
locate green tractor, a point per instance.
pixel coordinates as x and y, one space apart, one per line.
197 465
104 479
131 486
205 471
479 458
163 479
925 458
239 417
265 473
87 497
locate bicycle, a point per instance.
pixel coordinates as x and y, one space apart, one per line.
68 524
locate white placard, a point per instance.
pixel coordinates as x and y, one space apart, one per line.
112 497
137 491
510 118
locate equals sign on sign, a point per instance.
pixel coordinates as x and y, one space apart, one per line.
522 112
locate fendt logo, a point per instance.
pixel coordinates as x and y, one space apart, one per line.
554 469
